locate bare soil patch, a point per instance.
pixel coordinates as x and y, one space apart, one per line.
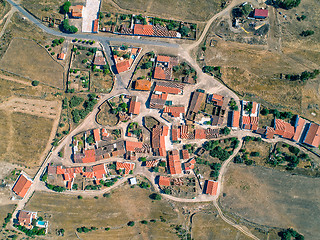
43 67
273 198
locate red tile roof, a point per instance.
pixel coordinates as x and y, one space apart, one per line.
131 146
25 218
217 99
76 11
175 134
151 163
190 164
212 187
185 154
90 156
60 170
123 66
134 107
164 181
126 166
260 13
159 73
200 133
167 89
147 30
22 185
162 58
96 134
270 132
298 128
174 162
165 130
99 171
235 118
95 26
138 29
143 85
313 135
174 110
61 56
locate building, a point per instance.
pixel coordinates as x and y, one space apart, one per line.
158 141
133 181
134 106
95 28
283 129
152 163
25 218
197 99
150 30
249 115
99 59
185 154
175 111
22 185
61 56
188 166
298 125
211 187
169 87
123 66
174 163
260 13
142 85
164 181
312 135
235 118
125 166
133 146
96 135
76 11
164 65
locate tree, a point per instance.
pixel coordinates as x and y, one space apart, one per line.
66 27
130 223
264 111
306 33
144 222
90 139
225 131
64 9
287 4
35 83
184 31
147 65
155 196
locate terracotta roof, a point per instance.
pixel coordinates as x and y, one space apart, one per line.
261 131
95 26
25 217
143 85
313 135
69 184
96 134
212 187
134 107
126 166
76 11
254 107
190 164
260 13
151 163
235 118
138 29
174 110
61 56
159 73
185 154
299 124
90 156
147 30
131 146
199 133
269 132
60 170
164 181
99 171
22 185
217 99
175 134
174 162
162 58
246 120
195 103
123 66
165 130
167 88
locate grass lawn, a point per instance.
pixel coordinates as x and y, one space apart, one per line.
124 205
43 67
180 9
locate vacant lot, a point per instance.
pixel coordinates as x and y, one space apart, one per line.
43 67
211 226
273 198
104 117
255 74
124 205
180 9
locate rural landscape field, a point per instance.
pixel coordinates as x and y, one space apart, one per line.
159 119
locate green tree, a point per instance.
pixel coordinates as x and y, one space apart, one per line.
130 223
264 111
146 65
35 83
64 9
225 131
66 27
155 196
184 31
287 4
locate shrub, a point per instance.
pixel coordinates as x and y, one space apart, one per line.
80 197
287 4
264 111
255 154
35 83
107 229
306 33
130 224
144 222
66 27
53 53
155 196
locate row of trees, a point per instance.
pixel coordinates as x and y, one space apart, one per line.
35 231
304 76
286 4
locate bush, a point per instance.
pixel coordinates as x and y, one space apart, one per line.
255 154
80 197
155 196
64 9
66 27
184 31
35 83
264 111
225 131
306 33
238 159
144 222
287 4
294 150
107 229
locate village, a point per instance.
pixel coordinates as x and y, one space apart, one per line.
148 118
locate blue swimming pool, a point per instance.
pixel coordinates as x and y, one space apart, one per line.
41 223
133 57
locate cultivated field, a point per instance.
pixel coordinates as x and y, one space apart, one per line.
273 198
43 67
124 205
180 9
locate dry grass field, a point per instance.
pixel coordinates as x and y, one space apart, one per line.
180 9
124 205
43 67
262 147
273 198
104 117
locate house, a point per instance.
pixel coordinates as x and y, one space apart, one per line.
95 28
188 166
22 185
312 136
164 181
76 11
96 135
152 163
133 181
158 142
25 218
158 100
163 68
126 166
212 187
123 66
235 119
169 87
175 111
61 56
298 125
197 99
142 85
174 162
134 106
185 154
150 30
133 146
283 129
269 133
216 99
99 59
260 13
175 134
89 156
99 172
249 115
